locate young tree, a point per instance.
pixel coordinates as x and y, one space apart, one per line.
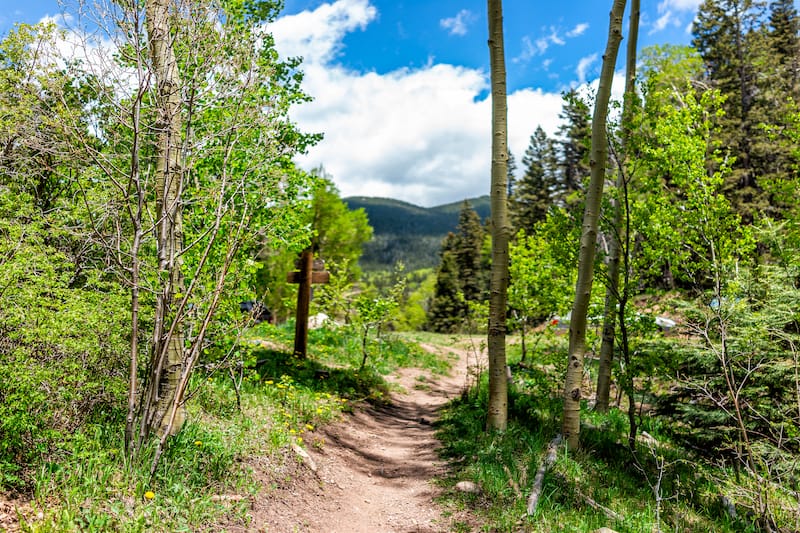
616 299
534 191
196 153
570 425
498 387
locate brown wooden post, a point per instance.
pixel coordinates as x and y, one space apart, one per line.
309 271
303 301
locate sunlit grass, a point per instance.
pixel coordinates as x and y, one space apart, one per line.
203 478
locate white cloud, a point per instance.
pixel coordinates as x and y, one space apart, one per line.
317 35
420 135
681 5
579 29
662 22
458 25
584 64
670 13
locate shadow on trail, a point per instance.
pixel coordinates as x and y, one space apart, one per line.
394 441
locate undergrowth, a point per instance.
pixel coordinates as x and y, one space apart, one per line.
271 401
662 487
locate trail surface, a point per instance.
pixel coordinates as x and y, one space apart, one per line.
375 470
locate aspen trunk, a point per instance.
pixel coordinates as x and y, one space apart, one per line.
167 358
497 416
583 288
612 290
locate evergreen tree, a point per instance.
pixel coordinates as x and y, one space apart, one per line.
729 36
511 178
448 307
469 242
783 35
573 147
534 192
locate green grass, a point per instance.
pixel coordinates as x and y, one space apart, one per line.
666 486
88 484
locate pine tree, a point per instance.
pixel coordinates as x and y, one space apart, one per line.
573 147
511 178
534 192
729 36
469 243
448 309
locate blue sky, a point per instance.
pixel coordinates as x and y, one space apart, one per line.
401 87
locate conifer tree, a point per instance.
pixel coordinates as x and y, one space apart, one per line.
729 38
448 307
468 252
573 148
511 178
534 192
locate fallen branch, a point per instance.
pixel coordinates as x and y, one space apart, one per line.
612 515
549 459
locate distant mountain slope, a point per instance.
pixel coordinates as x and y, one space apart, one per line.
409 233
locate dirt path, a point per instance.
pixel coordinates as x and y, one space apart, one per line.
374 473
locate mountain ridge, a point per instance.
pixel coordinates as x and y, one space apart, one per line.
408 233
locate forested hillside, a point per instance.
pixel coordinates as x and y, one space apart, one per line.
406 233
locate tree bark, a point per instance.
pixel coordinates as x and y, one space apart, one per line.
497 416
167 361
571 420
612 290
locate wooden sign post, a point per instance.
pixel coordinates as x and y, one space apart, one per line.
309 271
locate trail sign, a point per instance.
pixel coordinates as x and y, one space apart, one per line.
309 271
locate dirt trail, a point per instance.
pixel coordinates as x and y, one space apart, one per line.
374 473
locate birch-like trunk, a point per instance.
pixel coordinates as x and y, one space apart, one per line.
617 233
571 421
167 361
497 416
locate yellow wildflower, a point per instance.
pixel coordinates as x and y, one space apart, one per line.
149 495
198 443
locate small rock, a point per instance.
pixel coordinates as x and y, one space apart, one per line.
309 462
468 486
604 530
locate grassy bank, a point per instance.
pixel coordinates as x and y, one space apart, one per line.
663 486
257 410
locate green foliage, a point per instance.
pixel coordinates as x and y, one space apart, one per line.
412 314
688 221
336 235
541 282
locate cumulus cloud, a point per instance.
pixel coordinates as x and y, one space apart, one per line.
421 135
458 25
317 35
682 5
